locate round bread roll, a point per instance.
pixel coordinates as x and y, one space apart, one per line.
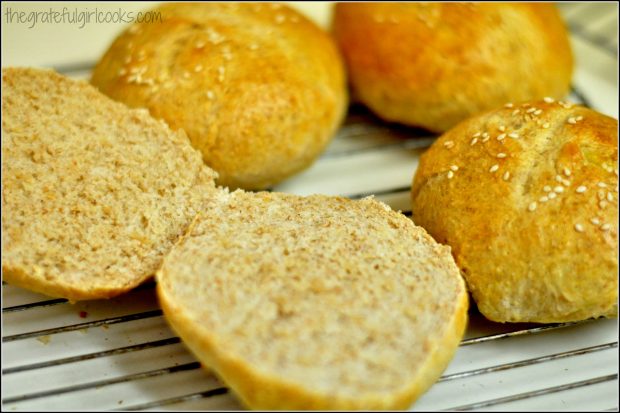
314 302
258 88
527 197
94 194
432 65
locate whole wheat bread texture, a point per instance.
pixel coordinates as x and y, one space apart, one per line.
314 302
93 193
527 197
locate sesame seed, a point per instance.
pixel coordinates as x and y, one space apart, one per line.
280 18
475 135
199 44
501 155
605 227
501 137
558 189
552 195
210 95
595 221
502 128
474 141
548 99
513 135
537 112
601 185
186 75
543 199
525 105
558 178
572 121
494 168
450 174
546 125
485 135
610 196
565 182
454 168
516 112
506 176
547 188
509 105
531 110
532 206
448 144
567 171
578 227
601 195
198 68
581 189
122 72
602 204
579 118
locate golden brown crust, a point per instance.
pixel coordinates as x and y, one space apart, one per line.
531 217
251 312
258 88
435 64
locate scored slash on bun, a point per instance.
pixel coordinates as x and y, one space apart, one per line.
432 65
259 89
93 194
527 197
314 302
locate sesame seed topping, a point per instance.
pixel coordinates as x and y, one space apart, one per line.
546 125
280 18
448 144
581 189
474 141
494 168
572 121
502 128
558 189
543 199
501 137
565 182
578 227
537 112
547 188
513 135
552 195
548 99
454 168
450 174
532 206
485 135
602 204
558 178
506 176
525 105
567 171
198 68
475 135
601 185
186 75
595 221
210 95
610 197
199 45
501 155
516 112
531 110
509 105
601 195
605 227
579 118
122 72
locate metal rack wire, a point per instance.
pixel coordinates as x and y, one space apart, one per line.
120 353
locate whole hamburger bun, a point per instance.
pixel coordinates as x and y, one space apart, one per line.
527 197
432 65
258 88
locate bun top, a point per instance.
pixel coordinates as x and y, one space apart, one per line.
527 197
435 64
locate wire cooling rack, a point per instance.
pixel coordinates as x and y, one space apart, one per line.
119 354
